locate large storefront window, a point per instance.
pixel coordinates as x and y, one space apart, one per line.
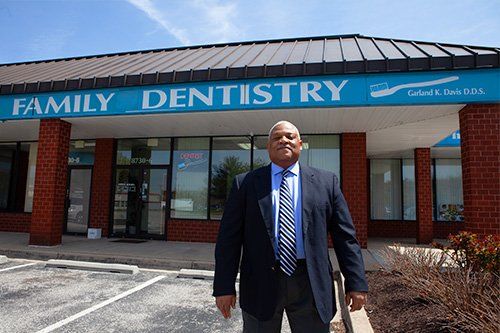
193 176
230 157
190 178
447 182
385 189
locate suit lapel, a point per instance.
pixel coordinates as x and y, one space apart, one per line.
307 183
263 190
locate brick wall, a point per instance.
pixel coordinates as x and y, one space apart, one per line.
50 182
355 182
389 228
408 229
480 149
423 195
192 230
102 182
443 229
15 222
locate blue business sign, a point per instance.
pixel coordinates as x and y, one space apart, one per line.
470 86
453 140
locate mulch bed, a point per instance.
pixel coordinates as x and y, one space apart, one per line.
394 308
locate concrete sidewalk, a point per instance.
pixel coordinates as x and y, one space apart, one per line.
150 254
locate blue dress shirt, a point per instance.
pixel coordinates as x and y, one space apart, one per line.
293 181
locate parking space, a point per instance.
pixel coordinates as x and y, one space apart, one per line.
13 264
36 298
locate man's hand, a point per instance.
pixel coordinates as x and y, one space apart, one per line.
358 300
225 303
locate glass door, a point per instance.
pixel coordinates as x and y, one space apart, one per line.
140 204
78 200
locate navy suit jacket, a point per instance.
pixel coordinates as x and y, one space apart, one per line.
247 225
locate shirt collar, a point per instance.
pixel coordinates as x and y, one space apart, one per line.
294 169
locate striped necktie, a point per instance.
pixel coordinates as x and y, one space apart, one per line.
286 240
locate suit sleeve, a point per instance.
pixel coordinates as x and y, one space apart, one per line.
229 242
347 248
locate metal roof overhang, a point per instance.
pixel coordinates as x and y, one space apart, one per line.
392 131
324 55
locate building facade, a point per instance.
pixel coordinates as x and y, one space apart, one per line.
146 144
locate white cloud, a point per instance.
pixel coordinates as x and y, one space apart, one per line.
219 19
194 21
155 14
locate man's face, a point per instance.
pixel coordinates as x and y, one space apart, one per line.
284 145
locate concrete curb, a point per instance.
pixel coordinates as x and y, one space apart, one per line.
195 274
3 259
167 264
355 322
92 266
200 274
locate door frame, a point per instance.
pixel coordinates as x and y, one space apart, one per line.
66 198
141 167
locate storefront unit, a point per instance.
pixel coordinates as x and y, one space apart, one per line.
146 144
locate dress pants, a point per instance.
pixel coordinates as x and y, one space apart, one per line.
296 298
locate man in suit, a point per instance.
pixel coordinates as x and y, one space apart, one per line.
280 215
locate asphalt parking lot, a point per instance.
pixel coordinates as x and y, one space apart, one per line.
35 298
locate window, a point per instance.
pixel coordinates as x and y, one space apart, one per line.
409 200
385 189
17 176
260 154
30 182
230 157
322 152
447 181
190 178
7 152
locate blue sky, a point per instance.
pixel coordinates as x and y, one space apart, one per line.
35 30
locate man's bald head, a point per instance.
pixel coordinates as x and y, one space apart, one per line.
282 122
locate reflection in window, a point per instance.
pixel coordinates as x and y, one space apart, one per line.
448 189
230 157
190 178
152 151
322 152
409 204
260 154
385 189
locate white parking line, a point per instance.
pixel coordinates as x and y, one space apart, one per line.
100 305
10 268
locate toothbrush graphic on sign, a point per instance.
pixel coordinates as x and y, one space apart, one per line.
382 89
